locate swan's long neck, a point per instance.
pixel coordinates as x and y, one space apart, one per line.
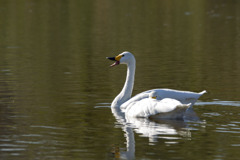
129 83
126 92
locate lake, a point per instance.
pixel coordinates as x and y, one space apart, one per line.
56 86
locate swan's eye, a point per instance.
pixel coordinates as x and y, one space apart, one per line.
122 55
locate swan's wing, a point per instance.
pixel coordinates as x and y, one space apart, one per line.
141 108
147 107
173 109
136 98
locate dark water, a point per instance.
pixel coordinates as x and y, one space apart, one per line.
56 87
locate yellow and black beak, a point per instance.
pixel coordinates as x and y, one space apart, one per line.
117 59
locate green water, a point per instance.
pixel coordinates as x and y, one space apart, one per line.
56 87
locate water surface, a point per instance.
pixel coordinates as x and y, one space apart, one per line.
56 87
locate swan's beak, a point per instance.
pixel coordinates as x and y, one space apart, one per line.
111 58
117 59
154 97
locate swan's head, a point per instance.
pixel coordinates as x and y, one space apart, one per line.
123 58
154 95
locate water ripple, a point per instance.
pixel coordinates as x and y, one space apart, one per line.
48 127
223 103
103 105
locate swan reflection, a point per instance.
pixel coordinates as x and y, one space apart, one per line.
154 129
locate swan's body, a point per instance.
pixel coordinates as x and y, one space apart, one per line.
141 104
166 108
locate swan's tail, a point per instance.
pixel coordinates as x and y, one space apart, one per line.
203 92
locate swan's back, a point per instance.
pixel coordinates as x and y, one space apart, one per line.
185 97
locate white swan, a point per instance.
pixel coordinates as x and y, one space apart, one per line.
125 102
166 108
